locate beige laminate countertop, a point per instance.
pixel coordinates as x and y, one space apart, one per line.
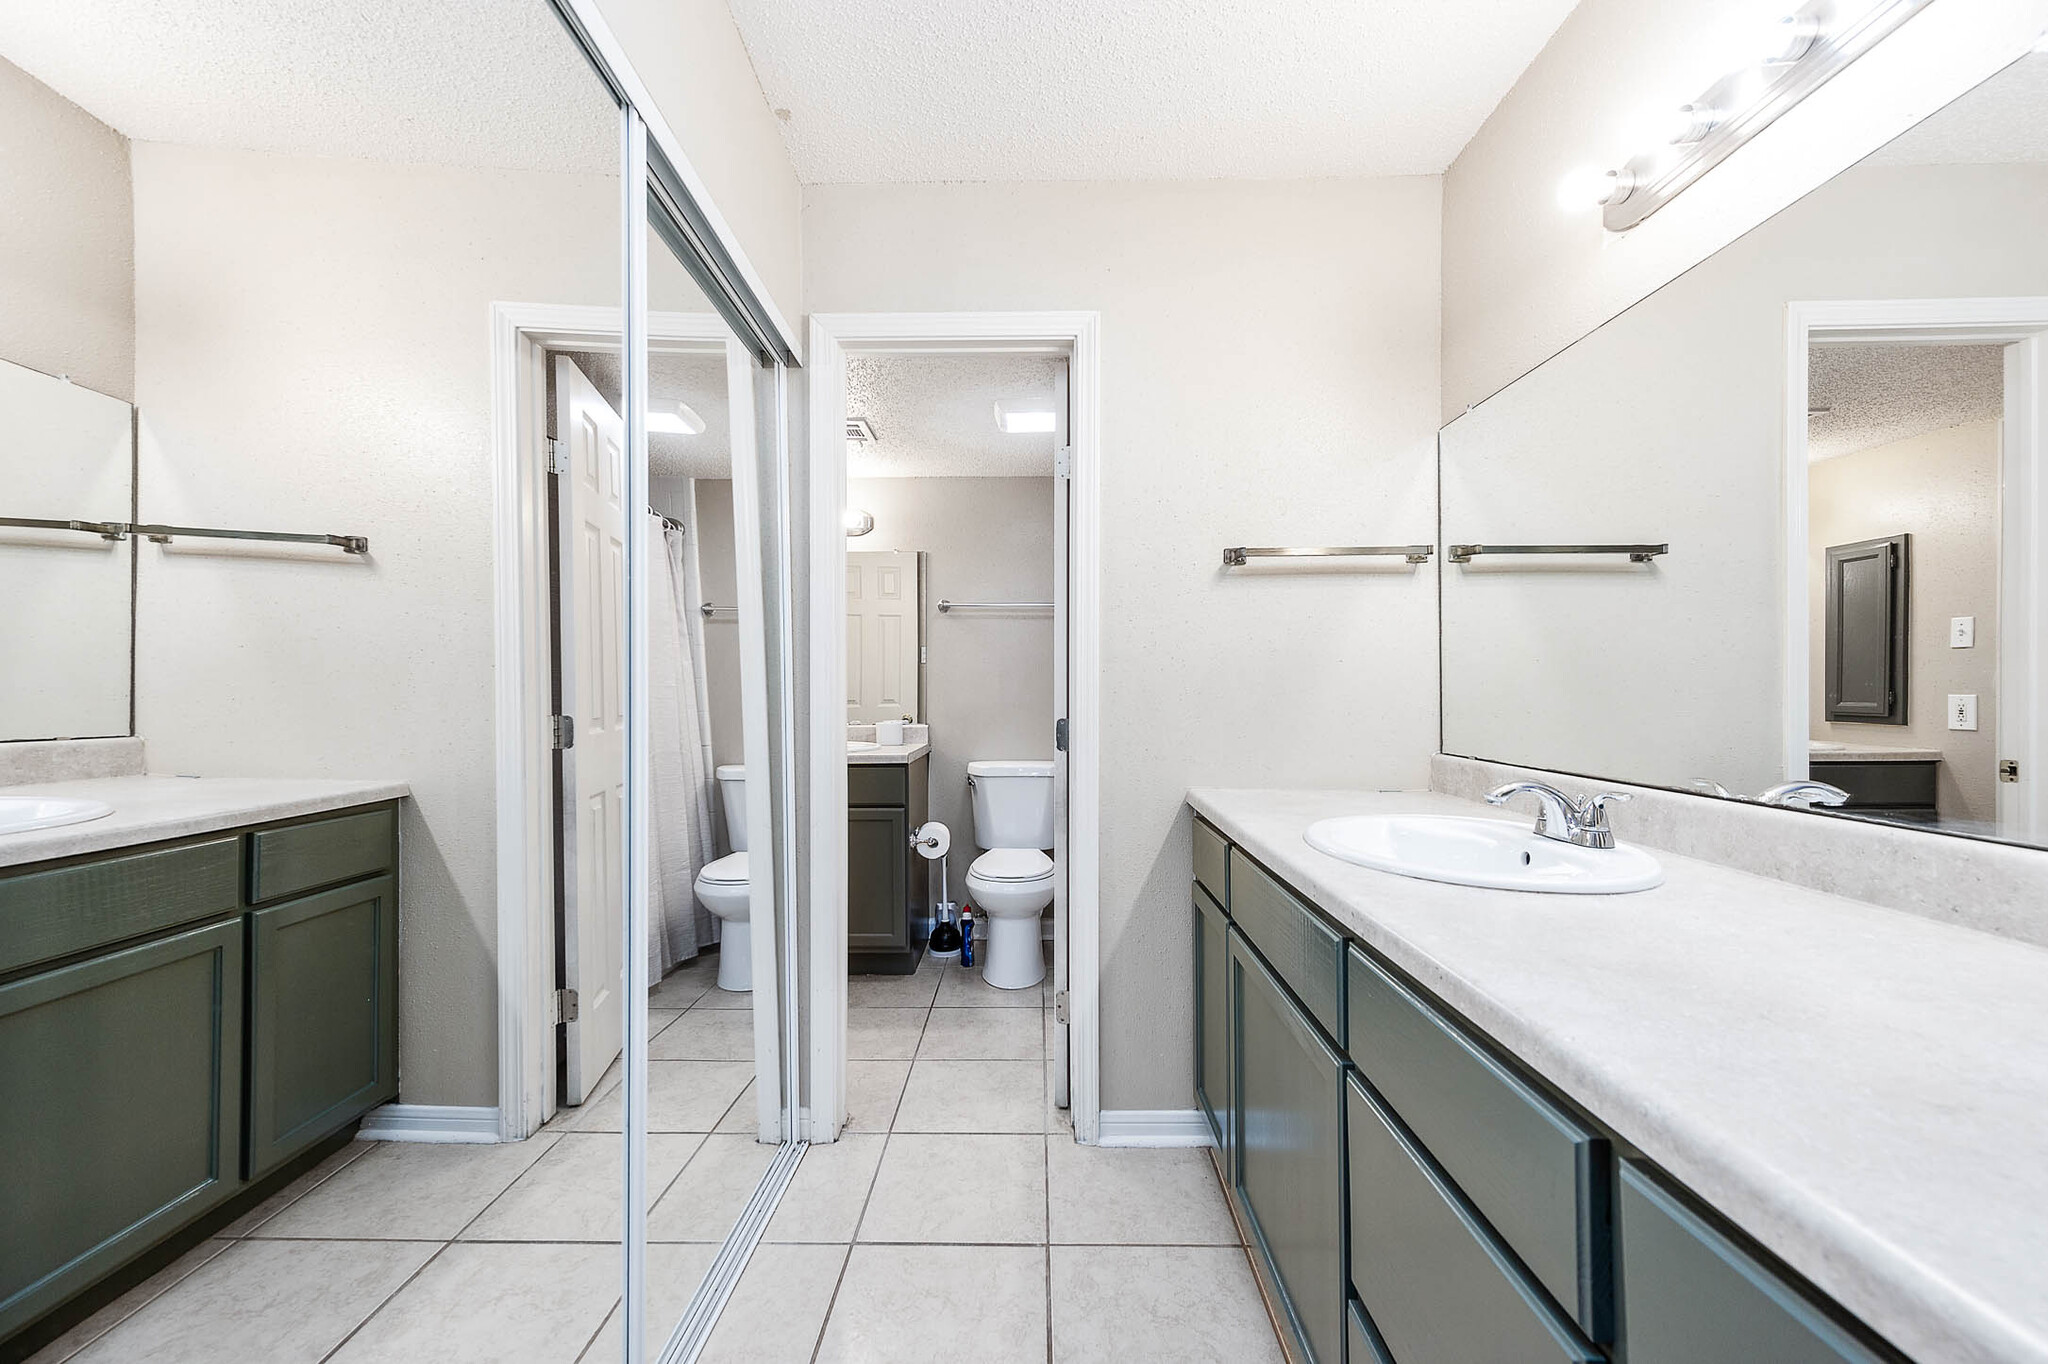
890 754
150 809
1863 1091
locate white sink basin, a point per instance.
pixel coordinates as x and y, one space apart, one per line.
860 746
1482 852
18 814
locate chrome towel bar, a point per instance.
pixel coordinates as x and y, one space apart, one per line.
106 530
1236 556
1637 554
163 535
708 609
995 606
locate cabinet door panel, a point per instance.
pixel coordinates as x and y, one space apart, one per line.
877 883
1303 951
1288 1086
123 1080
1212 1020
323 1047
1690 1295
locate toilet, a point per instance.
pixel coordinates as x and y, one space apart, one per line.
1011 883
722 886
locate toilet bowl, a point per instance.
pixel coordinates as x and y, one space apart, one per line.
1011 883
723 889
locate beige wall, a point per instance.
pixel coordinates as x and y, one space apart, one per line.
67 294
312 354
1667 425
690 55
717 568
988 675
1522 278
1268 377
1942 489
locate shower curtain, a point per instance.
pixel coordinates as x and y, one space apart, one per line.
680 771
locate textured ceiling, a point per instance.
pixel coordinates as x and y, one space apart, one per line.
2003 121
492 83
698 380
1879 394
926 90
934 415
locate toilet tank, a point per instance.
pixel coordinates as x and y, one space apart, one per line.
732 790
1012 802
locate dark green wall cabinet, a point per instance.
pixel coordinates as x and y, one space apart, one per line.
166 1037
1416 1197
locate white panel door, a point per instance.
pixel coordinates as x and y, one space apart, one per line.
591 494
1062 483
881 635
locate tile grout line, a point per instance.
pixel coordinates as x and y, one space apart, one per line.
385 1302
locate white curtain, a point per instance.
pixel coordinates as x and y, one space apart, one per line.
681 770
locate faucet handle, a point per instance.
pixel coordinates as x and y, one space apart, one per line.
1593 825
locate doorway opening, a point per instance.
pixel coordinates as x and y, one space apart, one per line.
953 780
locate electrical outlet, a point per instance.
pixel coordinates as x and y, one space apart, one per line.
1962 710
1962 632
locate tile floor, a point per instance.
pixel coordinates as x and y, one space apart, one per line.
956 1220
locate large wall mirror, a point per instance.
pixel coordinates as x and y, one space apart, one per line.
1790 509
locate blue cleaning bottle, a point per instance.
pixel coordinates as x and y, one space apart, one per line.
967 935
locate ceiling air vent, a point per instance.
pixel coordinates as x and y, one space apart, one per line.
857 428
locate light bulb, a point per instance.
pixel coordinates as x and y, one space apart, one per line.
1786 38
1589 187
1688 123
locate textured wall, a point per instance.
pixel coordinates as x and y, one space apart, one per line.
67 296
313 354
1941 488
1268 377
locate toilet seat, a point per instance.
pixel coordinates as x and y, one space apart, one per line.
729 870
1012 865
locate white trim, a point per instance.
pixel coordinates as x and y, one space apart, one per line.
437 1124
1154 1127
525 805
2023 588
831 334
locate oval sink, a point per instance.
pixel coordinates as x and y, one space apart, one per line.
1490 853
860 746
18 814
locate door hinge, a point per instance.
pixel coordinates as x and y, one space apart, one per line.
558 459
2008 769
1059 735
1063 462
1059 1007
561 731
562 1005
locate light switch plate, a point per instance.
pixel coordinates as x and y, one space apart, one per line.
1962 710
1962 632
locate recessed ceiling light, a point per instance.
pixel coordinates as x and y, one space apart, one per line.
673 419
1018 419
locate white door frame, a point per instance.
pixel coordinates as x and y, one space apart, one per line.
521 334
831 336
2022 325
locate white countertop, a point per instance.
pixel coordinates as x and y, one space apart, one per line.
149 809
890 753
1862 1090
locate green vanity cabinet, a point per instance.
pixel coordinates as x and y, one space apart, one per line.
1288 1106
888 900
123 1082
323 1041
177 1021
1212 1021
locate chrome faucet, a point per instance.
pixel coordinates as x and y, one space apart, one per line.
1581 823
1803 795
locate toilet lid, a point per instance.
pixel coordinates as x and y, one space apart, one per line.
729 870
1011 864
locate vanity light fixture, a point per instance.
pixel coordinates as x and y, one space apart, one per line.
673 419
859 522
1787 59
1018 419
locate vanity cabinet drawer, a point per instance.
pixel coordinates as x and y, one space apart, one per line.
1304 952
1210 854
1436 1282
324 852
49 914
1212 1021
1538 1177
1361 1344
1695 1297
877 784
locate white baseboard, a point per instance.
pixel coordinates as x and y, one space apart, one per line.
428 1123
1153 1127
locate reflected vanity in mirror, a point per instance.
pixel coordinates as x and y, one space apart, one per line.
1832 425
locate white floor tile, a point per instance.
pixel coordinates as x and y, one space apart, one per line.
980 1189
938 1305
572 1192
883 1034
479 1303
825 1199
973 1096
1109 1196
704 1201
983 1035
408 1191
1158 1305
